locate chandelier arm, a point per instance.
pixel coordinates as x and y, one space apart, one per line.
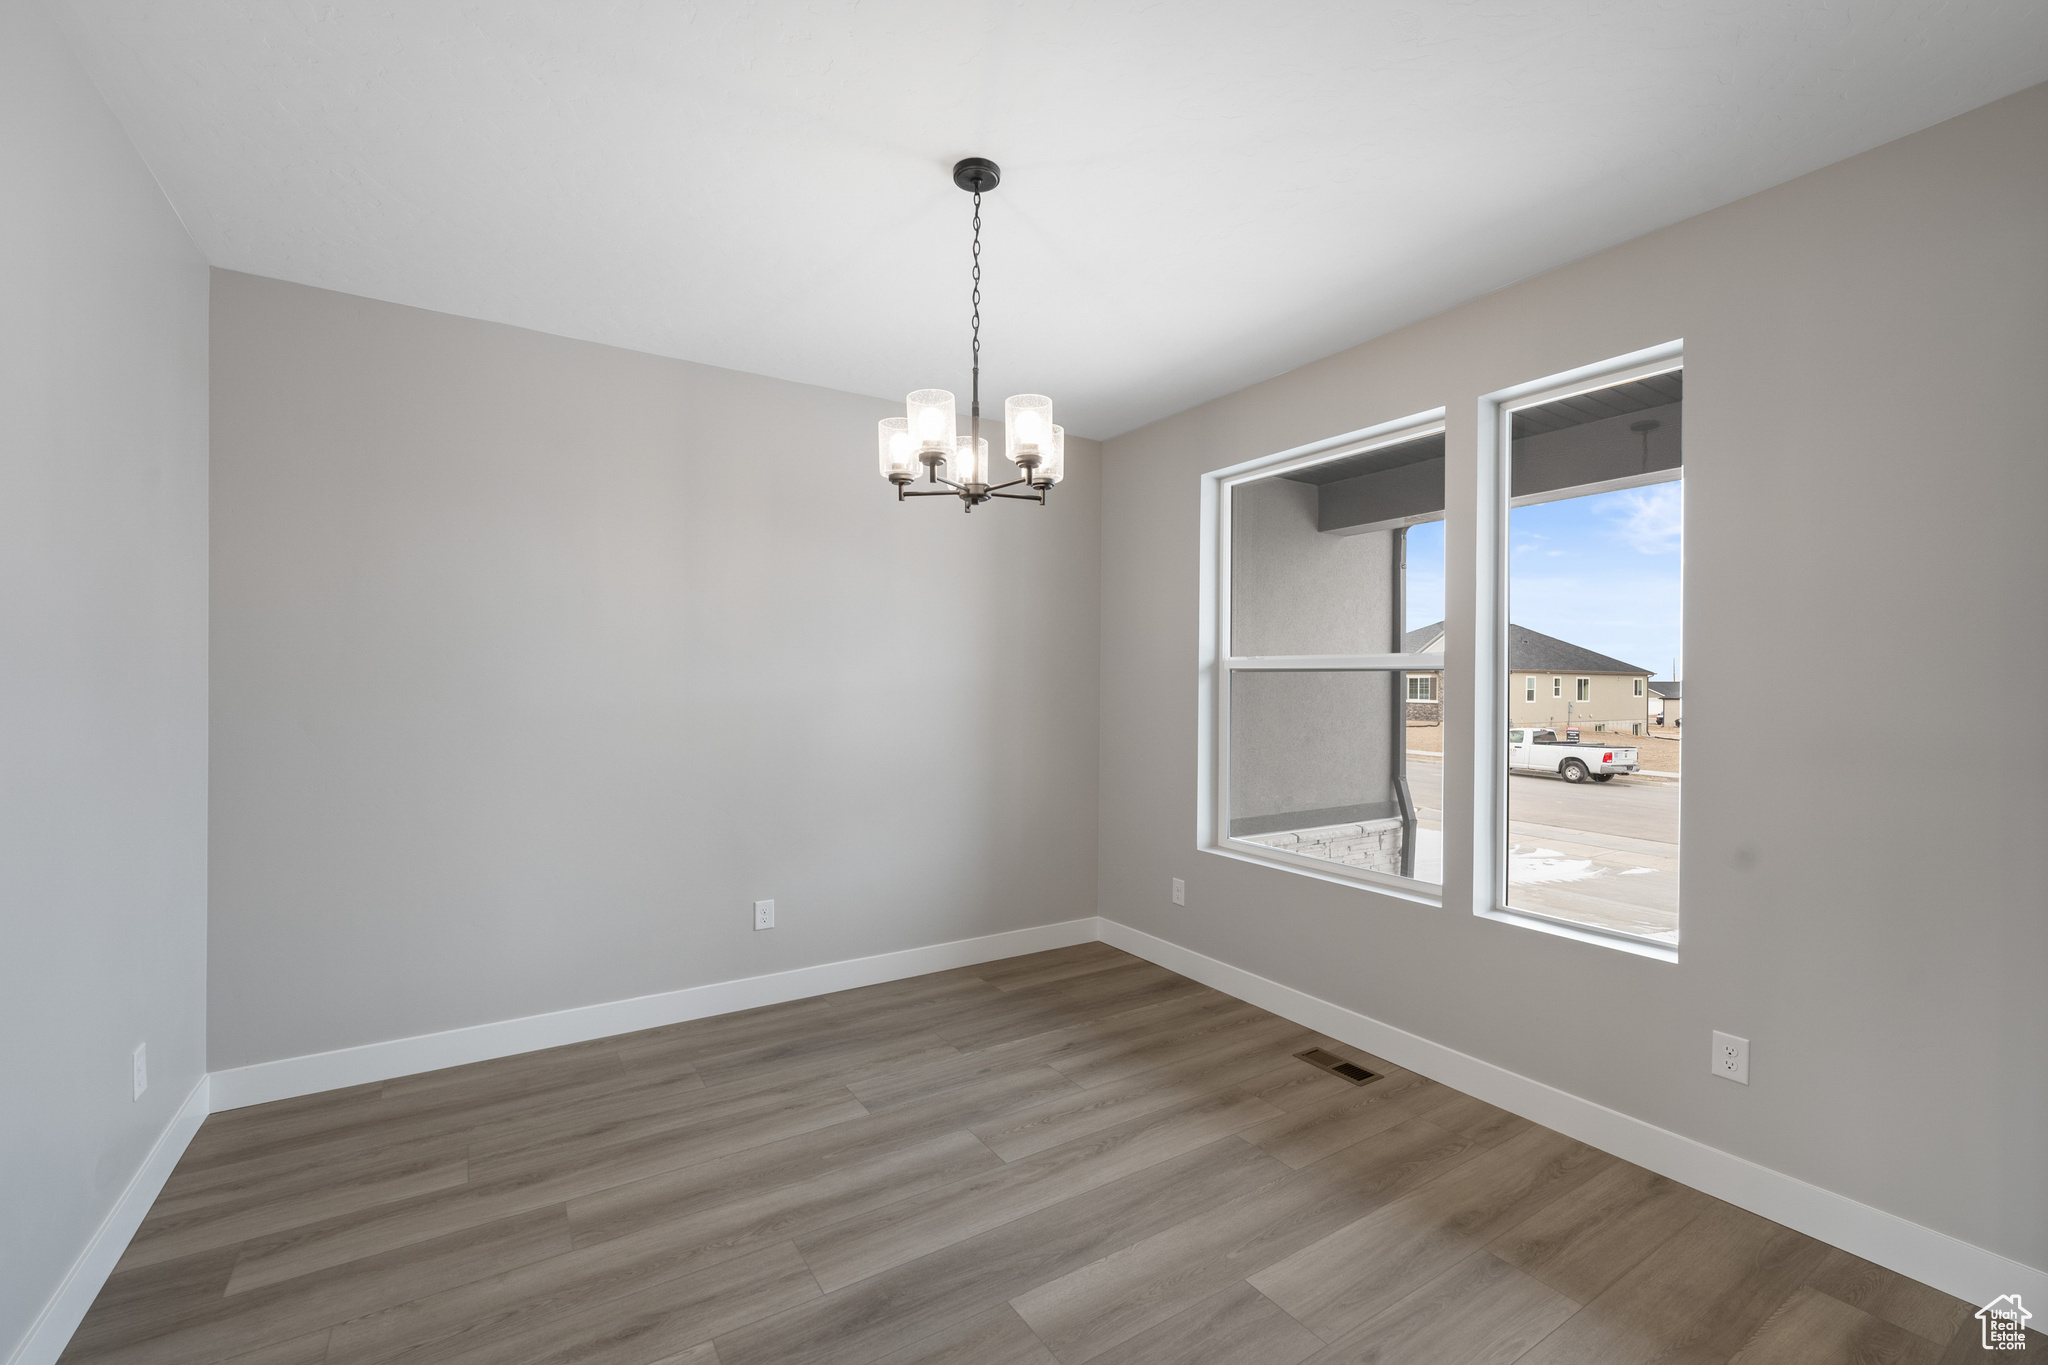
1011 484
1021 497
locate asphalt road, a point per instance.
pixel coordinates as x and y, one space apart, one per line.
1603 853
1633 807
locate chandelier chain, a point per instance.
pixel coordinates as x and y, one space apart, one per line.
976 410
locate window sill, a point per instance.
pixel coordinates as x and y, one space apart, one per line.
1417 892
1662 952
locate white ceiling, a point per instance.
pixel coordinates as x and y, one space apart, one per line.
1196 195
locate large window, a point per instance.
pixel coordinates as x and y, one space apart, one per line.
1329 711
1331 588
1594 540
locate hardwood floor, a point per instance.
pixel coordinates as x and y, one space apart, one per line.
1074 1156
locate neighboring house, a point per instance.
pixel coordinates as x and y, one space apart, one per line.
1666 708
1425 690
1550 682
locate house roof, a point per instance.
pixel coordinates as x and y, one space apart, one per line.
1667 690
1416 639
1539 653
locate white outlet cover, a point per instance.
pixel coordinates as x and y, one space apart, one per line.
1730 1059
764 915
141 1069
1180 892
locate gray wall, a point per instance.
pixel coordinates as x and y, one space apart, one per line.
102 662
1307 748
1865 470
536 662
1295 589
1310 749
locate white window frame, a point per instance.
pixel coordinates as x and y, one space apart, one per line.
1486 669
1582 691
1529 692
1639 687
1428 681
1212 754
1557 689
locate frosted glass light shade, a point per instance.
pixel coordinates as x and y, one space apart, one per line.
931 419
899 452
970 461
1054 466
1027 424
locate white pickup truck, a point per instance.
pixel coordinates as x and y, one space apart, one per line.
1541 751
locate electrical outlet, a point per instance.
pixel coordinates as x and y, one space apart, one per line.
1731 1058
764 915
141 1069
1180 892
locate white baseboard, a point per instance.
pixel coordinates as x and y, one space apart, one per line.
60 1317
1949 1264
293 1076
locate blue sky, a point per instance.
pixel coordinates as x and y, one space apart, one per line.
1425 574
1599 571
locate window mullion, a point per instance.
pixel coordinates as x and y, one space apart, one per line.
1337 663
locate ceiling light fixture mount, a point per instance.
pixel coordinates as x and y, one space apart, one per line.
927 436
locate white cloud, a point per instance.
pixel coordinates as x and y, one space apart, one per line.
1650 520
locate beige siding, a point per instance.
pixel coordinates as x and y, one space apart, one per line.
1611 702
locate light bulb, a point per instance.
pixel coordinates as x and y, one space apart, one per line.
931 419
899 452
1027 423
1053 467
970 461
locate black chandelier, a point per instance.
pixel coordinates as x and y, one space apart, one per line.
927 436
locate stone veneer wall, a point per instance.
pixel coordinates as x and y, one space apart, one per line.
1372 844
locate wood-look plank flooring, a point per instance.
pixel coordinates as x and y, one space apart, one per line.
1073 1156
